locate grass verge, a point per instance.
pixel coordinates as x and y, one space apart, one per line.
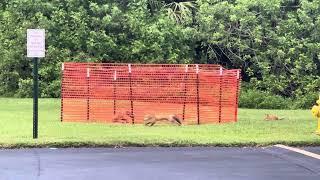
297 129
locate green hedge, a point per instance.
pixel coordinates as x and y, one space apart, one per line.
255 99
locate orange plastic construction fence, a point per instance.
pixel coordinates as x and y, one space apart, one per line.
198 94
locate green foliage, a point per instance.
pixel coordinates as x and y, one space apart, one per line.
305 101
106 31
25 88
255 99
274 42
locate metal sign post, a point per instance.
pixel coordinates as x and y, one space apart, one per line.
35 50
35 98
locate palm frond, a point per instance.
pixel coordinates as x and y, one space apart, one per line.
180 11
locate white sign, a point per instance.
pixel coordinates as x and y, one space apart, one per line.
35 43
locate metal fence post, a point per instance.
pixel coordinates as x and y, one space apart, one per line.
198 98
185 93
88 93
220 93
114 92
132 115
62 75
237 94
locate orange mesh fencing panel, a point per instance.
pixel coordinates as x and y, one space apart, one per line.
197 94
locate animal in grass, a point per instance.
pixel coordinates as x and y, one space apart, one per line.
150 119
122 117
272 117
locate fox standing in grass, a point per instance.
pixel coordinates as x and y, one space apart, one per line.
150 120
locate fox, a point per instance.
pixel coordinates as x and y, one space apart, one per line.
271 117
122 117
150 120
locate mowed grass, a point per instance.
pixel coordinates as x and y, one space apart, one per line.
297 129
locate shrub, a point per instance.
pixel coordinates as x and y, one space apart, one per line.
25 88
256 99
52 89
306 101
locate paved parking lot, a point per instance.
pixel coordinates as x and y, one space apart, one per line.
159 163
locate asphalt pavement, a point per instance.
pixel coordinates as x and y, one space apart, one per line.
199 163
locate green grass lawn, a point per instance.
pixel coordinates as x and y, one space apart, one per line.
297 129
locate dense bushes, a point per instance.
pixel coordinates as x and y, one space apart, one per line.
274 42
262 100
252 98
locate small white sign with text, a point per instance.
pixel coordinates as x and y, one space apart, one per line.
35 43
